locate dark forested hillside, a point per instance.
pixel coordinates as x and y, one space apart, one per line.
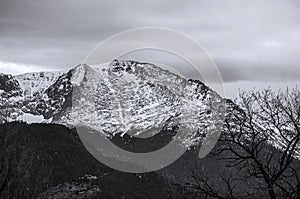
49 161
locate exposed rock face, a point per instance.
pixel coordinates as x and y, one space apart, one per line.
9 87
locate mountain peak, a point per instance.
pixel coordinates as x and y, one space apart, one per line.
78 73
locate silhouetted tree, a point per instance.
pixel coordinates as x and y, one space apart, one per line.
260 145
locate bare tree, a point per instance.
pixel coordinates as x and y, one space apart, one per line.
260 145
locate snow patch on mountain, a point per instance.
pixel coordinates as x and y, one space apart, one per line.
33 83
30 118
78 74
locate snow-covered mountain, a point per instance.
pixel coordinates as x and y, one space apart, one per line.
117 98
122 97
142 99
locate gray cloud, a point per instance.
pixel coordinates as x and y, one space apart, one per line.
249 40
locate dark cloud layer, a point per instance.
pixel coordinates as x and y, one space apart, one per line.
249 40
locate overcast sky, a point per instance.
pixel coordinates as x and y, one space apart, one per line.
250 40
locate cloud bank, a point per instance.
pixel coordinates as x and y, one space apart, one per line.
249 40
